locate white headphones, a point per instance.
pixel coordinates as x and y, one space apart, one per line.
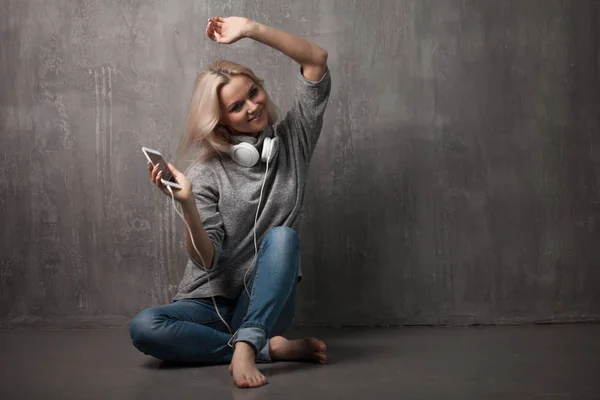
246 154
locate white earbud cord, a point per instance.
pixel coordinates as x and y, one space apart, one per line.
201 258
255 220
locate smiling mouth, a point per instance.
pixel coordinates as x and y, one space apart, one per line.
256 116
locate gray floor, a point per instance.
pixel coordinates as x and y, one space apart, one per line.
514 362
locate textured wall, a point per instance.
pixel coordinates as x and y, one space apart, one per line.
456 180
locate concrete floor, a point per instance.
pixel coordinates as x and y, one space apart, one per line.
511 362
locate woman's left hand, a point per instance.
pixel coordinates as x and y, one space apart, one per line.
227 30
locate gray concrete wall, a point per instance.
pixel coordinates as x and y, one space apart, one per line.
456 180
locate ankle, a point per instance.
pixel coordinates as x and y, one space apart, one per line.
244 348
276 344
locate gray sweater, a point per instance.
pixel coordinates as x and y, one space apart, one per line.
227 194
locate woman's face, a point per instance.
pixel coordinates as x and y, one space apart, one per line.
243 106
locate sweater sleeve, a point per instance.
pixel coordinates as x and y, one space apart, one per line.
206 194
305 118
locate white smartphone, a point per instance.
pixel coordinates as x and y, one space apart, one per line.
157 159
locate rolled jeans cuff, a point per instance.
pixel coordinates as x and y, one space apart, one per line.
257 338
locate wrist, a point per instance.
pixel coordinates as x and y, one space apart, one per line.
252 29
188 204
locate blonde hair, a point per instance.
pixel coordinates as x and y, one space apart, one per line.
203 129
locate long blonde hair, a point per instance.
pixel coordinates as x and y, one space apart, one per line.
203 130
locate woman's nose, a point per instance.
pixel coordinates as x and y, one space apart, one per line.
252 107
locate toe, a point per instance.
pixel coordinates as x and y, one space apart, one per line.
241 383
258 381
322 347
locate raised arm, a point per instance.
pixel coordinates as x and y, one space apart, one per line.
311 57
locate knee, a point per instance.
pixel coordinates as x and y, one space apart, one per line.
143 328
281 248
283 237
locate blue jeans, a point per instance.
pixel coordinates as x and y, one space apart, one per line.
190 330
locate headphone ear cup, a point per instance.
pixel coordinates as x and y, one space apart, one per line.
270 149
244 154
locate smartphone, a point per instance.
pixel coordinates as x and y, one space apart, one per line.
157 159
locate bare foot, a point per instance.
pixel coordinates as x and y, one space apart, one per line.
307 349
243 369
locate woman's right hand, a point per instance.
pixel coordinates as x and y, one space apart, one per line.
182 195
228 30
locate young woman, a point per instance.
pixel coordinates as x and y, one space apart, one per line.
235 299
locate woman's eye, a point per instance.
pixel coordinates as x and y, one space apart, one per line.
253 92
